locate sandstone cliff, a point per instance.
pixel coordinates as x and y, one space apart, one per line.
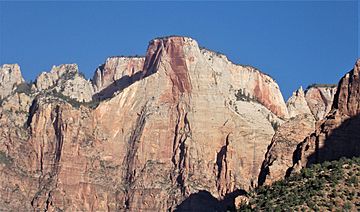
187 121
338 134
304 109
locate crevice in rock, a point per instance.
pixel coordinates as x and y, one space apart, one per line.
181 134
33 108
58 134
48 201
48 180
221 165
130 157
265 170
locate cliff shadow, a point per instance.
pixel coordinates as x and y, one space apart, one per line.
344 141
203 201
119 85
264 172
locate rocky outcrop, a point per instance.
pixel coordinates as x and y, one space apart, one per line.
187 109
47 80
338 134
10 77
319 98
279 157
297 104
304 109
116 74
115 68
66 80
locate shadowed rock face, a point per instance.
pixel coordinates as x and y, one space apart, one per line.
188 125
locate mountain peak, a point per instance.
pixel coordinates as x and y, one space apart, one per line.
347 97
10 76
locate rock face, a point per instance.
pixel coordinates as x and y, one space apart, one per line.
297 104
187 109
319 99
107 76
66 80
338 134
279 157
10 77
304 110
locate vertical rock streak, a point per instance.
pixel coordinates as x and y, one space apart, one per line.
130 157
221 167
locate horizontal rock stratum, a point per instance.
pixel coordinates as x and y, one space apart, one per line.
180 126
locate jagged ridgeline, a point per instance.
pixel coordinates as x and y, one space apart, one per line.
182 128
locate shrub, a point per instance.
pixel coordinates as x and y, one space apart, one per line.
275 125
23 88
319 187
317 85
353 180
241 95
5 159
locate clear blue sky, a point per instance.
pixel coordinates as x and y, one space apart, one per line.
297 43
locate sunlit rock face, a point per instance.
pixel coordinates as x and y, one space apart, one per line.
10 77
297 103
65 80
320 99
181 121
116 74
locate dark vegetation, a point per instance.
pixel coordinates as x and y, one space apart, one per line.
328 186
170 36
24 87
4 159
203 201
127 56
217 53
316 85
275 125
241 95
75 103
